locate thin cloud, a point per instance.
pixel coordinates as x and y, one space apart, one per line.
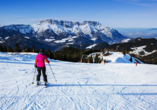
142 4
4 18
137 2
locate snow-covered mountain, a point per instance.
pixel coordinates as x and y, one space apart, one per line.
55 32
91 30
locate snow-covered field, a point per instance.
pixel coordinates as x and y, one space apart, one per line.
79 86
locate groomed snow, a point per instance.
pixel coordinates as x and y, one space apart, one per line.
61 41
118 57
79 86
6 38
27 37
91 46
49 40
125 40
137 50
64 40
75 37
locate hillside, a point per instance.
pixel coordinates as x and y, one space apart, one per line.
143 49
150 44
118 57
100 46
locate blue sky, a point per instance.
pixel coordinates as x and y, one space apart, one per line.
111 13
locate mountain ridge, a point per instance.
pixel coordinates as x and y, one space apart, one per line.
55 32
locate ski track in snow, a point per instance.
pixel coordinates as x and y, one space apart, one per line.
79 86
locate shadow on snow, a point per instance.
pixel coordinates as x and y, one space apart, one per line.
79 85
53 85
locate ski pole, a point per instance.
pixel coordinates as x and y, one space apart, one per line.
34 76
53 73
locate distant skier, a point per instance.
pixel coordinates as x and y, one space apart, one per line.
104 62
40 65
136 63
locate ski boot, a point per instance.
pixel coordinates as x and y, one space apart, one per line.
37 83
45 84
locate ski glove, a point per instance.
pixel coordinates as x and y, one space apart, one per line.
35 66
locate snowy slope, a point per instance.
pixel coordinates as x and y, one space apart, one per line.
21 28
118 57
91 46
79 86
126 40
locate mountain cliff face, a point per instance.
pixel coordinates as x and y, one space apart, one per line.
58 30
54 32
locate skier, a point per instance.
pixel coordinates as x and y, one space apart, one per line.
136 63
104 62
40 65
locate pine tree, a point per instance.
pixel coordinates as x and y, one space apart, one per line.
84 59
124 52
10 49
37 50
91 59
28 49
4 49
97 58
17 48
1 48
33 49
49 53
25 49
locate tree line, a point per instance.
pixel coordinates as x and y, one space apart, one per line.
17 48
71 54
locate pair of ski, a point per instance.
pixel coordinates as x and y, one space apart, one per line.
38 84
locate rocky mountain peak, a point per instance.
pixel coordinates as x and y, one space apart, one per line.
68 23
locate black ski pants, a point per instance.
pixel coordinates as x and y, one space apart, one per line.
43 69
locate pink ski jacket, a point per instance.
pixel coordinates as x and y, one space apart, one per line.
40 60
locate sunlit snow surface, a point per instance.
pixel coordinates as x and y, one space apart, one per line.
91 46
125 40
118 57
137 50
79 86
